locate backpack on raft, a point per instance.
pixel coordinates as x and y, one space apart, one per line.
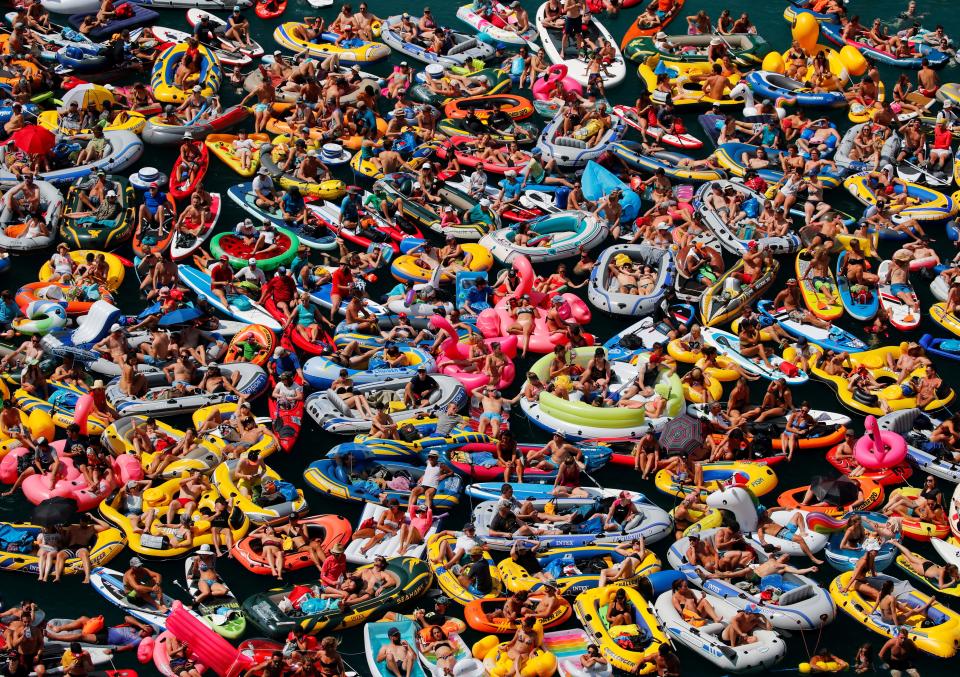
762 444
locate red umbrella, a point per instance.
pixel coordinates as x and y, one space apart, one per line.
34 140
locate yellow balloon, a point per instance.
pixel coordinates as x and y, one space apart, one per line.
832 666
806 31
773 62
853 60
804 668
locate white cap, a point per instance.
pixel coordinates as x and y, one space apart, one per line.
448 208
510 172
661 35
115 327
111 193
484 202
427 165
948 103
197 88
247 222
252 261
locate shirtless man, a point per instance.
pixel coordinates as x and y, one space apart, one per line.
215 381
900 652
26 640
899 274
398 655
927 388
115 345
716 84
743 624
492 403
927 79
180 373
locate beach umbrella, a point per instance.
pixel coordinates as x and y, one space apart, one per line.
56 510
180 315
86 94
836 491
682 435
34 140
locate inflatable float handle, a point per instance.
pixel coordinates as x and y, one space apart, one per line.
524 269
82 411
450 347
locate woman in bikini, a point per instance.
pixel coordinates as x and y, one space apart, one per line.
618 611
895 612
633 554
938 575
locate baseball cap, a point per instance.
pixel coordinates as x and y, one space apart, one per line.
136 562
111 193
115 327
252 261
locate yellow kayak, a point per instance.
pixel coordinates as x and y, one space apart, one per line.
820 294
949 321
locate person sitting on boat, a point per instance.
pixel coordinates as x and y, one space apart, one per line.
153 211
238 28
142 585
190 63
266 245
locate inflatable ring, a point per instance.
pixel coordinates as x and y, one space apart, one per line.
42 317
879 448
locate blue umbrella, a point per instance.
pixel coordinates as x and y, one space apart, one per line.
180 316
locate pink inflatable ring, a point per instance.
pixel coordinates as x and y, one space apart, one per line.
879 448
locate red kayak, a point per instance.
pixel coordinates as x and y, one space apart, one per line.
270 9
153 237
371 229
286 422
181 190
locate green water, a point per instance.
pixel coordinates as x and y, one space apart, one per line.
70 598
